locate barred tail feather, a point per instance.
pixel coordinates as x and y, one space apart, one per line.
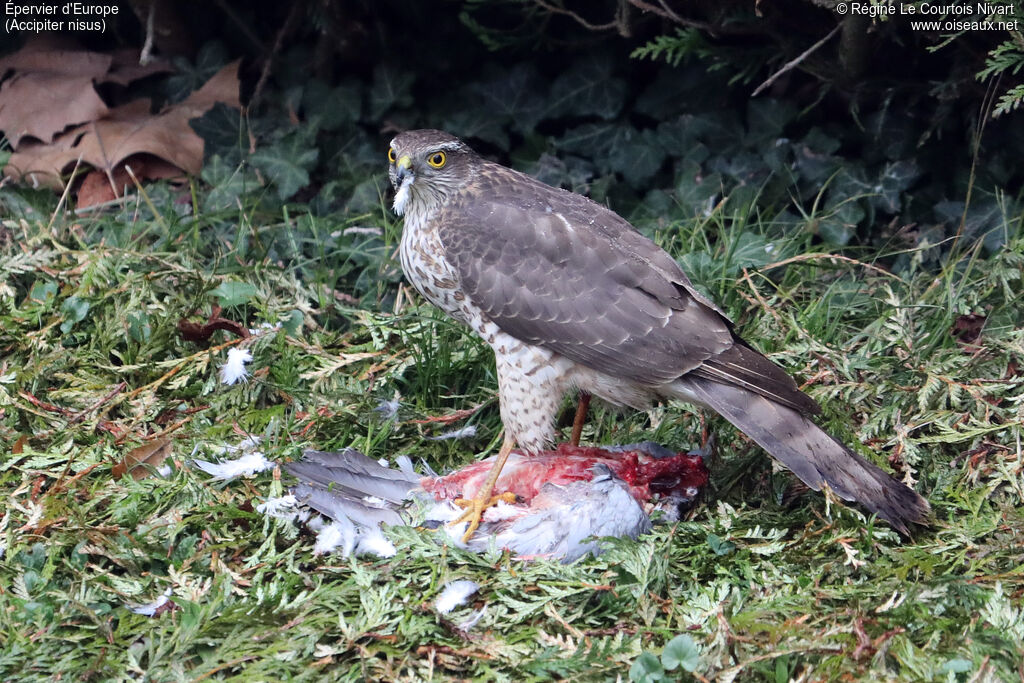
813 455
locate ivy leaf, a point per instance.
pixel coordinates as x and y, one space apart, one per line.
479 124
893 180
227 183
74 310
839 226
679 138
139 328
957 666
637 155
42 291
589 140
720 546
188 78
366 196
752 251
287 163
392 89
232 293
671 92
224 133
696 192
616 148
512 94
766 119
721 131
587 89
334 107
292 322
646 669
681 652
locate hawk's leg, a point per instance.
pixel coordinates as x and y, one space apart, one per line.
581 417
476 506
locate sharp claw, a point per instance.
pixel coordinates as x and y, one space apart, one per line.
474 511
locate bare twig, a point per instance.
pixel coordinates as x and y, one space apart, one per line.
555 9
793 63
666 13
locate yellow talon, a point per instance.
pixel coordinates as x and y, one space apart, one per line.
475 506
474 510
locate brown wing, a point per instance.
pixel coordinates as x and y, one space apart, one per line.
555 269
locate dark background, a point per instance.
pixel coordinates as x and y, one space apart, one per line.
882 135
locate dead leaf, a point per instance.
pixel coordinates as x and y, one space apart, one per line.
125 132
152 454
51 89
42 104
126 69
19 445
99 187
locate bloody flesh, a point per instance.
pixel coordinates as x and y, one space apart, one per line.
524 475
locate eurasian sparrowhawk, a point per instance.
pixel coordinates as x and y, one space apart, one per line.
570 296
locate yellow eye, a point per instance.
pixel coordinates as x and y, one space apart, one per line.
437 159
391 154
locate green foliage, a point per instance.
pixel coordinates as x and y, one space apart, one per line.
248 598
685 43
1006 59
230 293
681 653
845 248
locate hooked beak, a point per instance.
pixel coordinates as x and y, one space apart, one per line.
403 168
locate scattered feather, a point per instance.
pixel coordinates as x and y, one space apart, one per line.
374 542
283 507
465 433
455 593
338 535
404 463
473 619
234 369
245 466
387 409
360 230
151 608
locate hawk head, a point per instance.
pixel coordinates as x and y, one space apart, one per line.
426 166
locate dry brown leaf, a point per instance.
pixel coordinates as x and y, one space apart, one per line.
99 187
152 454
56 56
126 69
42 104
127 131
51 88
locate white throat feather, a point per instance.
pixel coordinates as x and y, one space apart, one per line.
402 196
